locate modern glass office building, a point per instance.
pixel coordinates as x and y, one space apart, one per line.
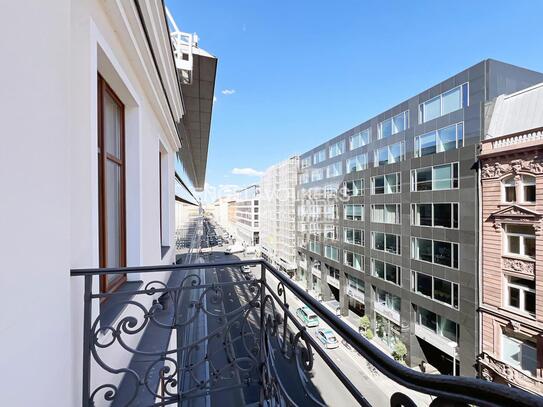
388 222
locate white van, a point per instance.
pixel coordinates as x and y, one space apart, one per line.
234 249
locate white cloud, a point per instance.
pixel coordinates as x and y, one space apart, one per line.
247 171
214 98
228 91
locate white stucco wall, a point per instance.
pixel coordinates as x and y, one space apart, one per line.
48 171
35 330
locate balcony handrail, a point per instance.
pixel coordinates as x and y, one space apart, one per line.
462 389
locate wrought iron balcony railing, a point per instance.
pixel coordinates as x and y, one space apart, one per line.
224 332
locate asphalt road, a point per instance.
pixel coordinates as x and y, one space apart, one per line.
322 382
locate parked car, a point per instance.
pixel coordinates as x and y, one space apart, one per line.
327 337
308 317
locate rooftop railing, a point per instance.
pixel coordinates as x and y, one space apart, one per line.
226 332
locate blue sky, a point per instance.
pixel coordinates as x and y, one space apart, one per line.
292 74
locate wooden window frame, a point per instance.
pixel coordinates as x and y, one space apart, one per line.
103 157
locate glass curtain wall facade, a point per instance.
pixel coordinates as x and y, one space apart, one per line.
423 152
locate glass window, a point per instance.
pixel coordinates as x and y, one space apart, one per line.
334 170
520 240
427 145
317 174
379 185
387 213
331 252
519 354
357 163
394 125
430 109
424 179
319 156
442 177
379 241
443 253
435 251
386 184
353 188
395 153
386 242
510 190
423 284
305 162
359 140
438 324
520 294
424 250
353 236
383 155
528 188
436 178
353 212
336 149
353 260
447 102
443 291
443 215
451 101
378 268
385 128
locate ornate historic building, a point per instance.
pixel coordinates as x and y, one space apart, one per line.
511 162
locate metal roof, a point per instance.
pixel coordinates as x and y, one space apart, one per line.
195 126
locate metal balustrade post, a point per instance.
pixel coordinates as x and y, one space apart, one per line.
262 332
87 313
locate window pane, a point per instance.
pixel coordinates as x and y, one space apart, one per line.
113 214
424 179
424 214
529 301
398 123
510 193
379 183
112 126
395 152
529 246
442 177
442 291
447 138
448 329
379 268
391 244
386 128
428 319
529 358
424 249
442 253
432 109
529 193
424 284
428 144
442 215
514 297
379 241
383 156
392 273
514 244
452 100
510 351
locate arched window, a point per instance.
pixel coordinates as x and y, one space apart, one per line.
522 190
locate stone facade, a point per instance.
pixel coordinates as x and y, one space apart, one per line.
499 318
